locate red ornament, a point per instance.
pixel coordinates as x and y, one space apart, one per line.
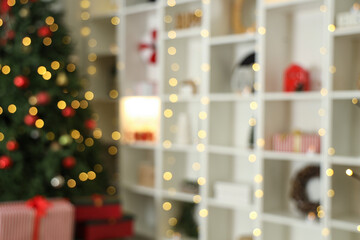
30 120
90 124
12 145
68 112
44 31
43 98
296 79
21 82
69 162
148 48
10 34
4 7
5 162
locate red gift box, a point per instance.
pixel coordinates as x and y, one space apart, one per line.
97 208
106 229
297 142
37 219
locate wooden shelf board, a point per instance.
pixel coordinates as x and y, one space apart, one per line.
292 96
347 31
289 219
140 8
184 33
339 95
225 97
345 160
290 156
232 39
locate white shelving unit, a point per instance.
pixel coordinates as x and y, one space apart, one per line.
288 31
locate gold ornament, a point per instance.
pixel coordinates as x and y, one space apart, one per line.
62 79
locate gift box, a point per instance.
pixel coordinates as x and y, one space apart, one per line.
37 219
297 142
97 208
106 229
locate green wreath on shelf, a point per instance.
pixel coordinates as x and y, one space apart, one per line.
298 190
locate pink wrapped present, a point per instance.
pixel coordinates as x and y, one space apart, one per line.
37 219
297 142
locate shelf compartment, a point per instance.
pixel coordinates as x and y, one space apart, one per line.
181 12
182 61
105 46
180 125
235 224
225 59
100 9
347 74
345 128
232 170
294 38
235 130
289 228
284 117
233 39
344 235
180 172
278 187
345 212
222 18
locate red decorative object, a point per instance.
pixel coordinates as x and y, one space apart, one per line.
44 31
144 136
106 229
54 220
5 162
148 48
69 162
21 82
68 112
12 145
30 120
40 205
4 7
43 98
92 210
10 34
90 124
296 79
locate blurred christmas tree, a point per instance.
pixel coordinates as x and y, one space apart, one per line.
47 143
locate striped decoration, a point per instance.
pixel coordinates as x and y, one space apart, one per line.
304 143
17 221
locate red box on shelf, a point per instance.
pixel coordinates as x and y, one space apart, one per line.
97 208
106 229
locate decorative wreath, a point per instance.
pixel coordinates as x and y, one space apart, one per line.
299 193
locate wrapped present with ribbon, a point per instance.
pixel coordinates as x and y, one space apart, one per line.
37 219
97 207
296 142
